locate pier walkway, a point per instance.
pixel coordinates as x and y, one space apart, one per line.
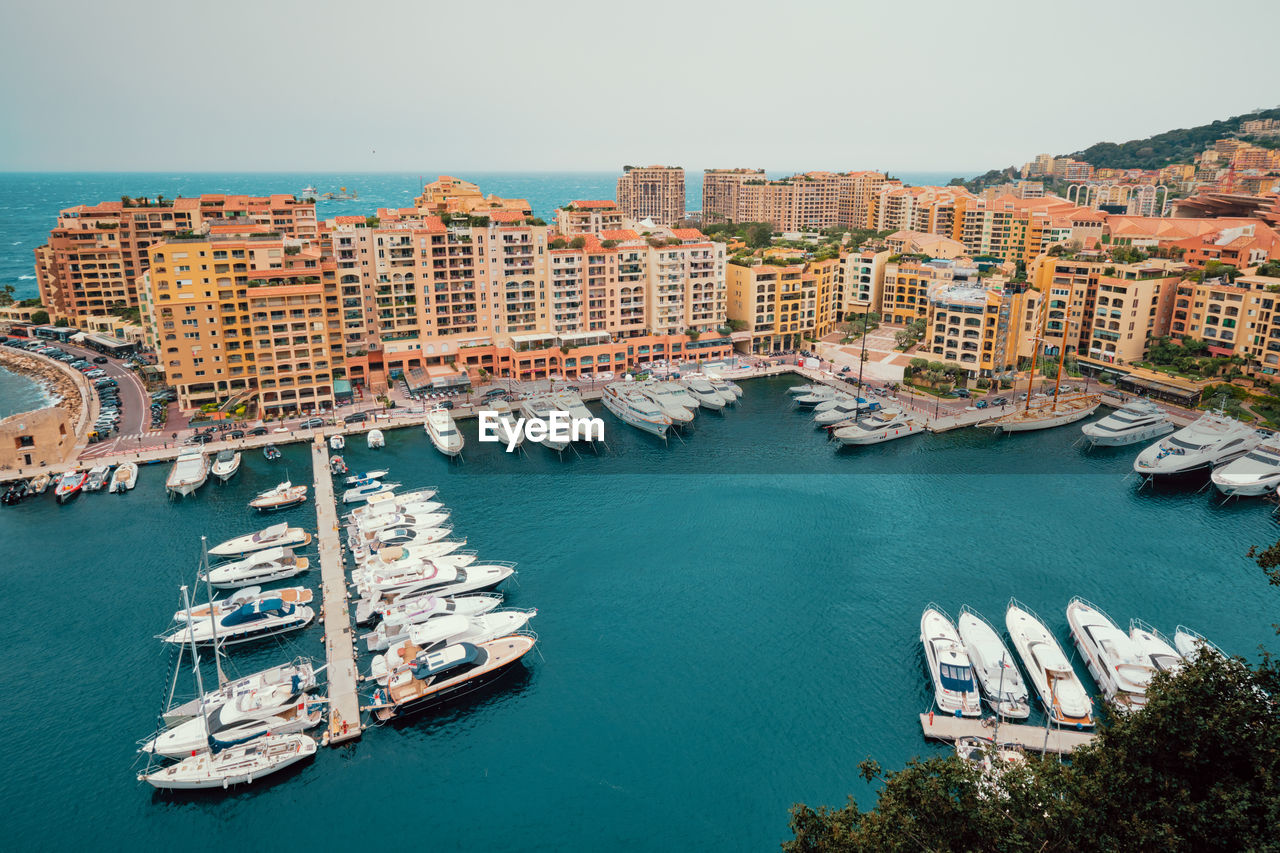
1030 738
339 644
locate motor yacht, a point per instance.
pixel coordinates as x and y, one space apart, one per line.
368 490
631 407
267 566
392 589
282 496
1137 420
1255 473
994 666
1191 644
397 566
70 484
409 536
225 465
98 475
1067 409
1115 661
298 676
366 477
124 478
375 440
443 432
509 434
415 516
451 671
802 390
843 411
189 472
540 406
876 427
668 404
274 710
1160 653
240 764
954 688
820 394
389 503
223 606
429 636
1059 688
267 537
337 442
833 401
264 615
727 389
1213 439
705 393
670 394
395 625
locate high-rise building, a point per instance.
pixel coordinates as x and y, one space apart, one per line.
1015 229
721 192
652 192
811 201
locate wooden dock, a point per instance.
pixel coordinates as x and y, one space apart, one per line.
339 644
1030 738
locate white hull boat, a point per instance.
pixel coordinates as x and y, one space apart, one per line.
189 472
282 496
443 432
268 566
1047 415
225 465
634 409
706 394
298 677
337 442
277 535
397 622
456 628
1116 663
1057 685
444 583
244 618
994 666
368 490
1212 440
1254 474
1191 644
1139 420
1160 653
98 476
124 478
876 428
240 764
273 710
375 439
954 689
366 477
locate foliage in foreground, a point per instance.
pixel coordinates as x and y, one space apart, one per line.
1197 769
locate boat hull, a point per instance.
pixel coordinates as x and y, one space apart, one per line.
1048 422
1113 440
240 765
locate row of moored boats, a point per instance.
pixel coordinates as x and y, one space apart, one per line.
852 420
116 479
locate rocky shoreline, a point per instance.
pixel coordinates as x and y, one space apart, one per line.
56 383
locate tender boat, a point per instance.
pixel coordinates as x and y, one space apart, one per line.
994 666
266 566
631 407
429 636
97 478
239 764
271 710
189 472
124 478
451 671
1191 644
396 622
1067 409
15 493
70 484
368 490
282 496
1137 420
1115 661
264 615
705 393
366 477
375 439
1059 688
269 537
299 676
954 688
877 427
336 466
1255 473
271 452
225 465
1214 439
38 484
337 442
540 406
1160 653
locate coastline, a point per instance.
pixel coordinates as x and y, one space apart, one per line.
56 387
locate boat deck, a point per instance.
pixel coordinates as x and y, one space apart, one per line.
1031 738
339 643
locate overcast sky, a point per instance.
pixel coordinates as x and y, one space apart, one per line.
563 85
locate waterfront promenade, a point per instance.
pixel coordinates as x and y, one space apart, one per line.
339 644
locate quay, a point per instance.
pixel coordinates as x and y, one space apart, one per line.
1031 738
339 644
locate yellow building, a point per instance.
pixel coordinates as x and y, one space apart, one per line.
1258 340
981 325
776 303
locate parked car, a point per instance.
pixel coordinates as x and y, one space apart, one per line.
312 423
100 359
1000 401
355 417
258 431
236 433
961 392
446 404
981 404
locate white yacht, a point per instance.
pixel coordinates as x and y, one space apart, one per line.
571 402
443 432
540 406
1137 420
299 676
1212 440
508 432
833 401
994 666
236 765
430 636
375 440
726 388
954 689
267 537
802 390
1159 652
630 406
668 394
275 710
1191 644
395 626
361 479
267 566
1115 661
98 476
819 394
337 442
417 516
841 411
368 490
705 393
263 615
225 465
669 404
391 589
1255 473
1059 688
189 472
877 427
124 478
283 496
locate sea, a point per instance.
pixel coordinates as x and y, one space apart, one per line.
728 624
19 393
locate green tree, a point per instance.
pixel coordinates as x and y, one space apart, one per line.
40 317
758 234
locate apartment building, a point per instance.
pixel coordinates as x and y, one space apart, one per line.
589 217
721 193
1258 340
908 280
862 281
96 252
982 326
929 210
652 192
857 194
1015 229
447 194
243 317
776 301
811 201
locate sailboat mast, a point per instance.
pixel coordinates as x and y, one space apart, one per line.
213 612
1037 342
195 661
1057 381
862 359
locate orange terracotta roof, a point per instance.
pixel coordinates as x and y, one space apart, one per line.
503 216
593 205
687 234
348 220
619 234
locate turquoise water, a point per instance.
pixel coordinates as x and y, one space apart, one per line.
20 394
727 626
30 201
